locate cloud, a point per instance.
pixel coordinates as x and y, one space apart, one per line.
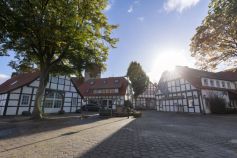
130 10
3 78
179 5
134 4
141 18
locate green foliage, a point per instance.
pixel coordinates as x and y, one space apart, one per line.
105 112
62 35
56 36
138 78
60 112
215 40
128 103
217 104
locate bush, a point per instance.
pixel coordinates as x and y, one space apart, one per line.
137 114
26 113
128 103
231 111
105 112
217 105
61 112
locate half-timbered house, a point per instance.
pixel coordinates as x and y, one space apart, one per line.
18 94
147 99
106 92
187 90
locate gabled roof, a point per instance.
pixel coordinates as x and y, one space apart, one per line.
194 76
87 87
18 81
23 79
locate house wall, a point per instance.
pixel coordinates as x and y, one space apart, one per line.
129 93
214 83
147 99
207 93
179 96
116 100
60 84
3 99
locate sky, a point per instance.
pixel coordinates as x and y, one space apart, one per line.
155 33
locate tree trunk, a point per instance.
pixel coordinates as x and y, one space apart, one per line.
37 111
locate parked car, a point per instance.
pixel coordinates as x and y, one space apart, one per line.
90 107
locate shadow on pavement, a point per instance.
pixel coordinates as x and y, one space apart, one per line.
11 129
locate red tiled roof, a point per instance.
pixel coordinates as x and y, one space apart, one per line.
18 81
88 86
194 76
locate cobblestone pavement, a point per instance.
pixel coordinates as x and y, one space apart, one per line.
154 135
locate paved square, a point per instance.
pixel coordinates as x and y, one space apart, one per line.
154 135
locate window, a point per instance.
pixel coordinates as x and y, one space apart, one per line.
205 82
116 90
218 83
104 102
111 91
104 81
74 101
116 81
53 99
223 84
25 99
212 83
228 85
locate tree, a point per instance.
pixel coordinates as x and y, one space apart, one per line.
138 78
56 36
215 41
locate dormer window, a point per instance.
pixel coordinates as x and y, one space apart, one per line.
212 83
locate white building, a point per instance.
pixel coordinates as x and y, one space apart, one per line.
18 94
147 99
187 90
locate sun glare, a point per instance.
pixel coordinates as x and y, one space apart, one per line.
167 61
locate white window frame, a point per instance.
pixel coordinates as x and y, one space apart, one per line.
22 99
54 99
